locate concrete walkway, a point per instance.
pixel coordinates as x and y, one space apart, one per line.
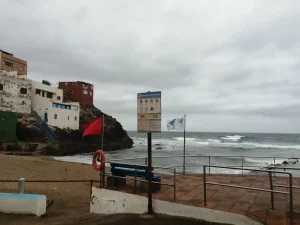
254 204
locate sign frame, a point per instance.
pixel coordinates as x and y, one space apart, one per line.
147 102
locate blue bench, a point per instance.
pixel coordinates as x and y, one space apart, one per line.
123 170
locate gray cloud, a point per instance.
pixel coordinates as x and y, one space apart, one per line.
229 66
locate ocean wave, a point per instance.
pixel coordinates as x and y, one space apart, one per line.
247 145
181 139
174 142
257 145
232 137
214 140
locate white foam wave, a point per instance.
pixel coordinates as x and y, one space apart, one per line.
246 145
232 137
181 139
256 145
214 140
263 160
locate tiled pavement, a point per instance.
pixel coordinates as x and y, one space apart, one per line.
254 204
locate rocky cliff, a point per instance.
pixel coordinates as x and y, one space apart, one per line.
71 142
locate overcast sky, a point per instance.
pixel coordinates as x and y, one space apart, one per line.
229 65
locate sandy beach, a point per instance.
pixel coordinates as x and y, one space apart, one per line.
70 200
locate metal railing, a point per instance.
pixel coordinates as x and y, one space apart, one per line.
271 190
135 179
285 168
243 164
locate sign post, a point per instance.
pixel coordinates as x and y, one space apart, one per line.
148 121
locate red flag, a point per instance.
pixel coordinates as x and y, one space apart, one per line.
93 127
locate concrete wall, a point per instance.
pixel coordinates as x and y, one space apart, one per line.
23 203
64 115
78 91
11 98
111 202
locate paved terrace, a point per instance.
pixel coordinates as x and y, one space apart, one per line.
254 204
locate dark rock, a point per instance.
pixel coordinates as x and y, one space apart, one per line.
285 163
70 141
31 147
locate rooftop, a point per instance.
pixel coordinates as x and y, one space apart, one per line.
7 53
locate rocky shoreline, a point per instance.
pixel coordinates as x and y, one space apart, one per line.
32 140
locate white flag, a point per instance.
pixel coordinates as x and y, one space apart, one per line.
176 124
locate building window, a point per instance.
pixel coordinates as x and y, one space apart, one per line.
85 92
91 93
23 102
21 68
68 117
58 97
1 87
49 95
6 63
92 87
75 118
66 83
55 116
43 93
71 91
75 108
38 91
23 91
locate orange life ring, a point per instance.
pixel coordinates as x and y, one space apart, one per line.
102 164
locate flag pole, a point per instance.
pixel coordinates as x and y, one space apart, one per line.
184 145
102 147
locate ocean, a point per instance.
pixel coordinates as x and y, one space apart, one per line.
250 150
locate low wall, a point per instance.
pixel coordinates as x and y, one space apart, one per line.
112 202
23 203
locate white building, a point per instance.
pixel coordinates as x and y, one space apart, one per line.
15 92
47 102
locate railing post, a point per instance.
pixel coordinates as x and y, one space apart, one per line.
271 187
174 183
91 188
135 179
291 200
103 177
21 183
204 184
243 165
209 163
274 165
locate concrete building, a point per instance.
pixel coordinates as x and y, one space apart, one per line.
47 101
15 92
10 63
78 91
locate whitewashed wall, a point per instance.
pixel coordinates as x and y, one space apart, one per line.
11 99
112 202
40 104
65 118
